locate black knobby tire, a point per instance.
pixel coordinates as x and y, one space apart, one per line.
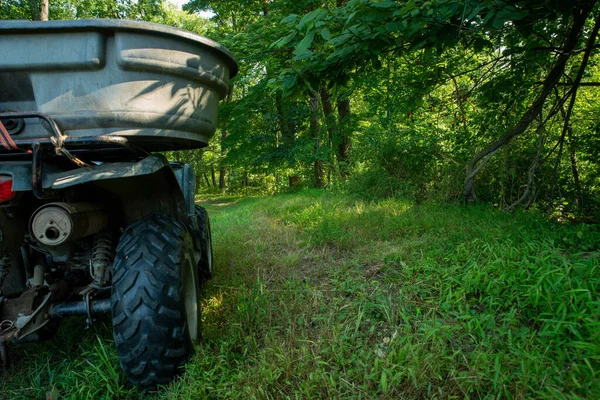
206 257
154 260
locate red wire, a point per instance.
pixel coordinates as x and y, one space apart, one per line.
6 139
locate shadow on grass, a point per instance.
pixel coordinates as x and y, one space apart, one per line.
67 363
227 204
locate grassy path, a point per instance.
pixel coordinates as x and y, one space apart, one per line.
320 296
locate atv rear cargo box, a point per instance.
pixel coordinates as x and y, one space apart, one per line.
155 85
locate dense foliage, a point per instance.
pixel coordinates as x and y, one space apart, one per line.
432 99
448 99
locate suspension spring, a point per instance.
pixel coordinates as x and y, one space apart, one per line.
101 257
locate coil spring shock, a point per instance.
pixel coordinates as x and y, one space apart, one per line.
5 265
101 258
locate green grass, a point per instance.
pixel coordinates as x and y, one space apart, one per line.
321 296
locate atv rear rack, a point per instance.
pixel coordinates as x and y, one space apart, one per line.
59 144
19 148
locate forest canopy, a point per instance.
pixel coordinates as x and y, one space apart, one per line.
492 101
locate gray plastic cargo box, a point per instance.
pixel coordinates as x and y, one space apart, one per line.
156 85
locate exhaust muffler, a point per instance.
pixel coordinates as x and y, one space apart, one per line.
54 224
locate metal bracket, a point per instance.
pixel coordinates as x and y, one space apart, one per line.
88 309
36 170
31 323
20 318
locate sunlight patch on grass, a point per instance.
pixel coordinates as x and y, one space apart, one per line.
213 305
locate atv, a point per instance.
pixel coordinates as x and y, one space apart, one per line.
93 219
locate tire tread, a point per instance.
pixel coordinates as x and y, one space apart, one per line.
149 323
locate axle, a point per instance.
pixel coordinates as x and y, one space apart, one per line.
61 310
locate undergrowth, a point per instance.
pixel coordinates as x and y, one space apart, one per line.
322 296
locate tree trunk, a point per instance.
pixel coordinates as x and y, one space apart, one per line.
294 180
222 183
213 176
481 158
313 101
328 112
223 170
529 192
331 127
287 128
575 168
44 10
39 10
206 179
344 141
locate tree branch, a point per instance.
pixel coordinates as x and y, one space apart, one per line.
531 170
531 114
576 84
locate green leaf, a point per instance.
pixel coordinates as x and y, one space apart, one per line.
406 9
289 81
504 15
497 22
341 39
394 26
303 55
325 34
512 14
284 40
480 43
384 4
475 11
488 17
350 17
289 19
384 381
308 18
304 43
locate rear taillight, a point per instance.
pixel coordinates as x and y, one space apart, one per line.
6 189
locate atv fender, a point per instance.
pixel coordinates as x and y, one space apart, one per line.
148 186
